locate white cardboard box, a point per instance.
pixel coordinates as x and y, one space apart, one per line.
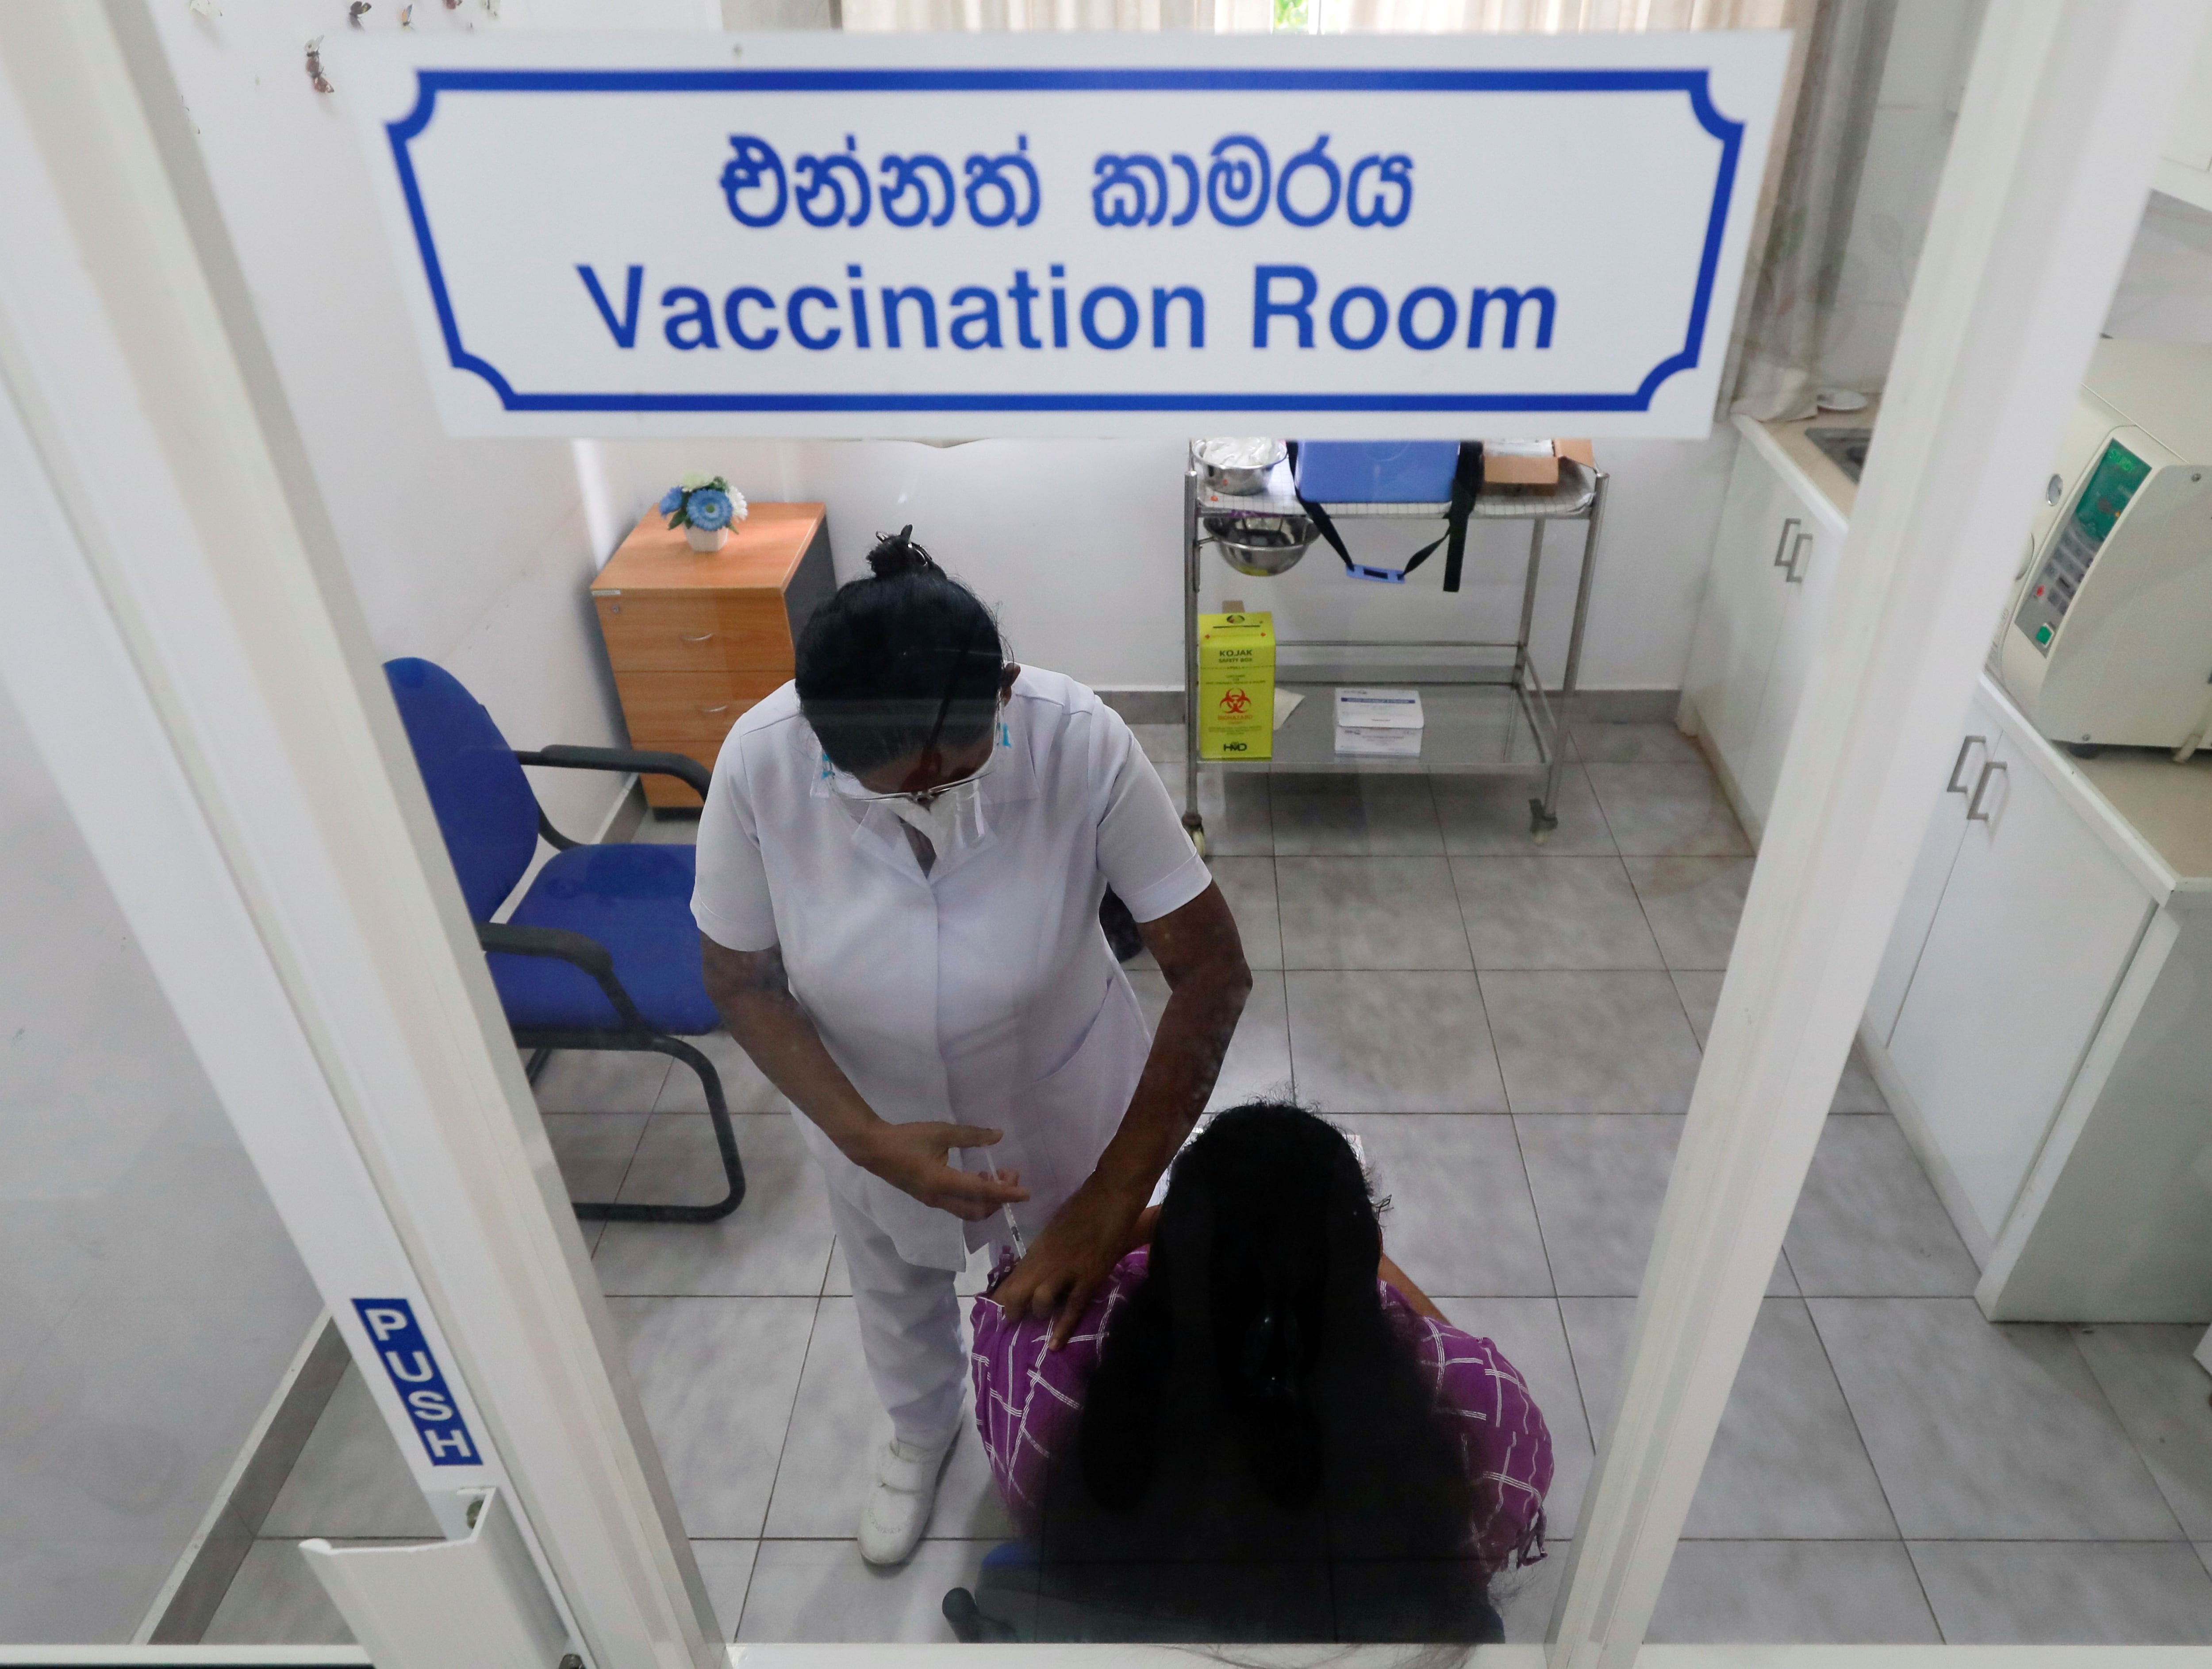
1378 723
1365 709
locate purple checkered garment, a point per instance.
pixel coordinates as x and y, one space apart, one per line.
1027 1398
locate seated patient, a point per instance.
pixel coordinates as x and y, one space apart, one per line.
1260 1430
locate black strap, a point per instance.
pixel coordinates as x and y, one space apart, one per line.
1466 482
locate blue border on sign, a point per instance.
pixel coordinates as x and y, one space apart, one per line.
1694 83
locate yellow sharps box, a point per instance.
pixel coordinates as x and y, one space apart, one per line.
1236 686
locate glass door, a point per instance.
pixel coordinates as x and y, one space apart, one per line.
1525 1042
177 1405
243 1163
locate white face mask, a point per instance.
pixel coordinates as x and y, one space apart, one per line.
951 816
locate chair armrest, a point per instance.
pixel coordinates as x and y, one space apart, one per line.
553 836
621 759
578 949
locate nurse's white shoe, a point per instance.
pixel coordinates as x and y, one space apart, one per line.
898 1506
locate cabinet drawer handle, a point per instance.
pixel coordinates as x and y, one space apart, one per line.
724 708
701 638
1974 811
1794 576
1779 544
1954 786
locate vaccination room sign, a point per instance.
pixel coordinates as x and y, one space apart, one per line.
812 233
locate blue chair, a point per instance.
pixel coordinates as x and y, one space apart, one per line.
602 951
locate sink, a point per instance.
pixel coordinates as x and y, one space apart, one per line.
1846 449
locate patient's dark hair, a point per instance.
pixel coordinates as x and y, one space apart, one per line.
891 660
1258 1441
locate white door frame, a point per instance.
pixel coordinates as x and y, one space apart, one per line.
184 647
2064 115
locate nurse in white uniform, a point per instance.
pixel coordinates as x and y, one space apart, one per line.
900 861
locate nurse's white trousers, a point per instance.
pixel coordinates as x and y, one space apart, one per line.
909 1330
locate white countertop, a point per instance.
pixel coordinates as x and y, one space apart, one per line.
1813 468
2170 806
2156 814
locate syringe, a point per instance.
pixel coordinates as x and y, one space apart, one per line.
1013 1228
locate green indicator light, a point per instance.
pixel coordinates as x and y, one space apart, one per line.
2042 635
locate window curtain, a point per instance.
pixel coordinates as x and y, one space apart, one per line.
1209 16
1549 17
1336 16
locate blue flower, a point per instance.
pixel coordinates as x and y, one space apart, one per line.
709 509
671 501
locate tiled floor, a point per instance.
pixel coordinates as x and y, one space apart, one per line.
1514 1032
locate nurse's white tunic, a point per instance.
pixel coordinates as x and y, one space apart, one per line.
982 992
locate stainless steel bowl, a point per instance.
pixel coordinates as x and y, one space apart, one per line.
1261 545
1237 481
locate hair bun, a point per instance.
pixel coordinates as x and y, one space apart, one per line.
896 553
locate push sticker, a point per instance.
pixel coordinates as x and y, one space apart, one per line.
416 1377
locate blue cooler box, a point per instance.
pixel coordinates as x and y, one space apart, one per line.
1376 471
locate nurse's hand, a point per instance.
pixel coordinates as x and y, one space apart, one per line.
911 1158
1070 1261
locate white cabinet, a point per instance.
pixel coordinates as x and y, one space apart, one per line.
1774 561
1807 573
2038 1022
1735 642
2031 928
1980 740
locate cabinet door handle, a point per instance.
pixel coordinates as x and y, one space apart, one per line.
1974 811
1779 544
1794 576
701 638
1958 764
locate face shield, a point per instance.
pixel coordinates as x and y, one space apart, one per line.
947 814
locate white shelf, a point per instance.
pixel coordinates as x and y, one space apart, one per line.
1472 729
1571 498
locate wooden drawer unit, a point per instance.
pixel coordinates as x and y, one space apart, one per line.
691 706
696 639
739 632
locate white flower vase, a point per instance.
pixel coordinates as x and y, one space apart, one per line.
703 540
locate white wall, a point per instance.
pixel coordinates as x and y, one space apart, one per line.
1078 544
475 553
2164 293
472 553
149 1299
1931 45
1075 541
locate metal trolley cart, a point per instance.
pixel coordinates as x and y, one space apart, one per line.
1493 719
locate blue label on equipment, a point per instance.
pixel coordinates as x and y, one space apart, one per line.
415 1374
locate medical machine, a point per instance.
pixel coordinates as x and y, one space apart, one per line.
2108 636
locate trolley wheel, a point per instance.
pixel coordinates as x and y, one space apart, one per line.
1540 822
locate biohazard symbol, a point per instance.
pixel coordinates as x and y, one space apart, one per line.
1235 703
